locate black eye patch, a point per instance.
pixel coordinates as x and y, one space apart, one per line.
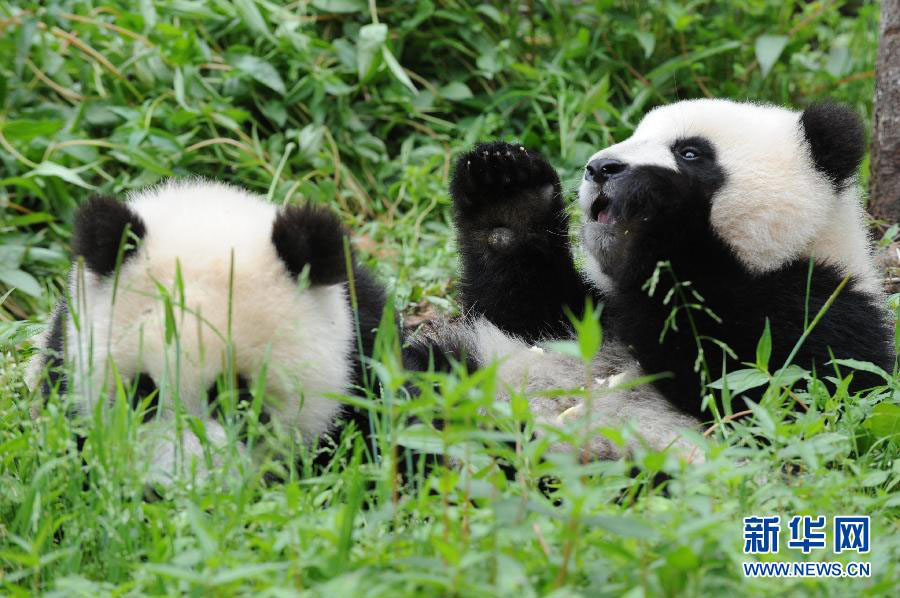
219 391
144 387
697 165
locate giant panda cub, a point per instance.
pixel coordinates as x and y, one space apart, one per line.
712 218
191 295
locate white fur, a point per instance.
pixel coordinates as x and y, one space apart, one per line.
594 241
775 206
220 237
523 369
183 458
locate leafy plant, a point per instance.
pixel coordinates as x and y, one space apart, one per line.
363 106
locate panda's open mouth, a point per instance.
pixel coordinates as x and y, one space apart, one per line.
600 211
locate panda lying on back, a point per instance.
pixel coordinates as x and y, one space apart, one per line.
743 201
214 293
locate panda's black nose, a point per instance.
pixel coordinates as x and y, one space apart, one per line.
603 169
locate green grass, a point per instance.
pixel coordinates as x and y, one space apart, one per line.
314 101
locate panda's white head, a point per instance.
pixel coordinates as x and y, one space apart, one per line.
779 184
214 284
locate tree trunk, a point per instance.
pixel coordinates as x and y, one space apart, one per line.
884 197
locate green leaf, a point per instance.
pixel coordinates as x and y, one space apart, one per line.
768 49
66 174
488 61
490 12
178 85
248 571
170 328
197 427
874 478
201 529
397 70
588 330
21 280
26 130
763 418
27 35
884 421
28 184
647 41
654 461
839 60
741 380
683 558
371 39
569 348
456 91
251 16
275 111
149 13
421 438
14 333
596 98
143 160
745 379
622 525
258 69
864 366
789 375
29 219
764 348
889 235
340 6
11 255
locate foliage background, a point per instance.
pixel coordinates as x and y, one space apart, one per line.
363 105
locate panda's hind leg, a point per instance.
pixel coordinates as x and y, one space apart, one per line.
513 237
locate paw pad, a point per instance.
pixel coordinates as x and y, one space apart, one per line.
501 238
497 174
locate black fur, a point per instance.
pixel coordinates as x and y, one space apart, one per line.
370 302
679 233
422 353
658 215
312 236
144 387
513 236
55 359
100 226
363 378
836 139
239 387
368 309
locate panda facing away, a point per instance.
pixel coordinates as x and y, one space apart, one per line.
192 294
712 218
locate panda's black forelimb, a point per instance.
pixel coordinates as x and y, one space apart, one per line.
513 236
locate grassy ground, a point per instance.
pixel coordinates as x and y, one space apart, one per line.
363 108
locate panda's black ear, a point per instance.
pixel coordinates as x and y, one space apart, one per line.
313 237
836 138
100 229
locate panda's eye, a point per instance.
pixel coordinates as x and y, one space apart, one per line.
689 153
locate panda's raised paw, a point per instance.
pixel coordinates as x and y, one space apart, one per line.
502 173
